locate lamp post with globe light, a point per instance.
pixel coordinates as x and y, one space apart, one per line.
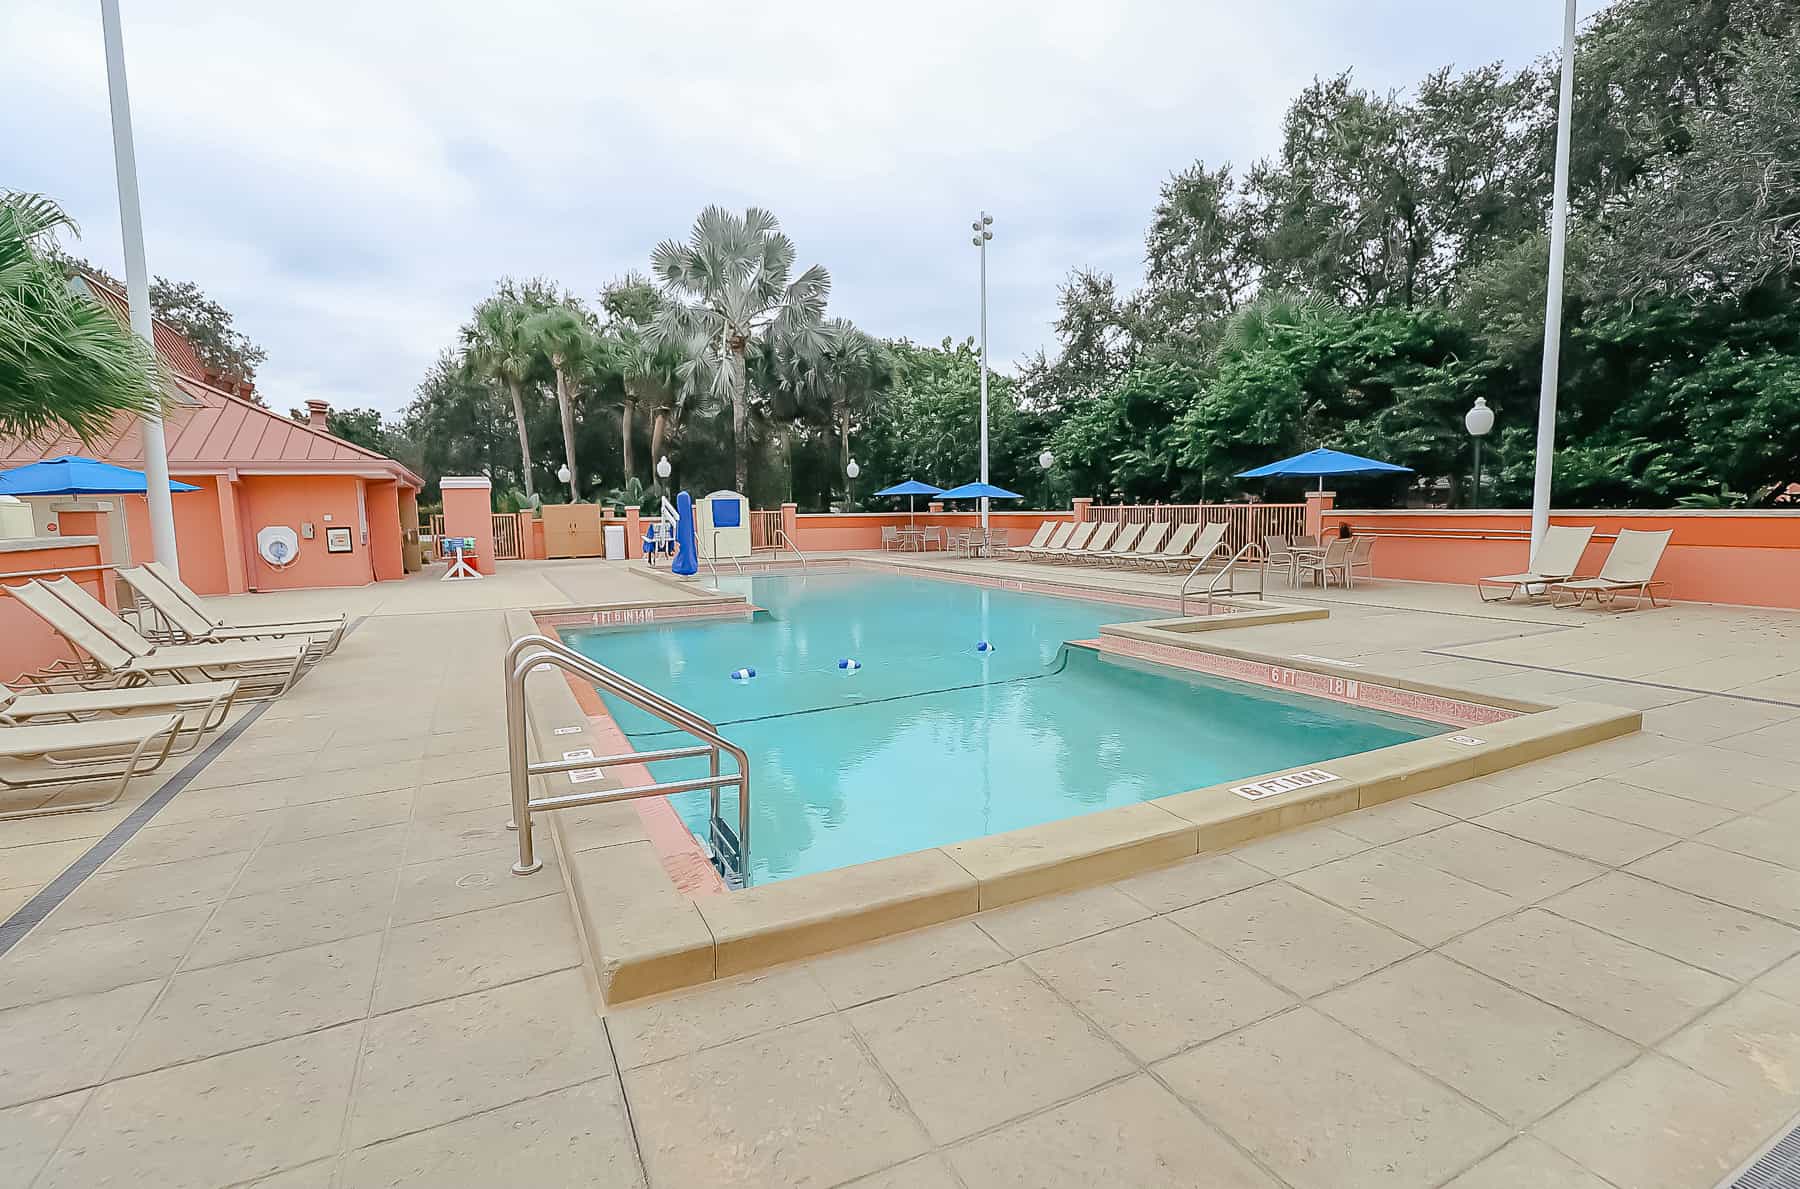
850 474
564 475
1478 421
982 235
663 471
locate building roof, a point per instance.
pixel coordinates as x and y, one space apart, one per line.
210 430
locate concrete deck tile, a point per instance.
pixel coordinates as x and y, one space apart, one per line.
1499 862
212 1011
1528 1162
1658 1125
687 1021
1708 720
1134 1133
267 923
1511 1053
1715 776
1381 824
190 840
1419 902
1294 939
431 1064
1712 936
1772 839
318 860
799 1106
1588 835
1780 741
213 1122
1296 850
390 750
484 761
30 1132
884 968
941 1045
355 782
463 883
34 866
1203 877
1325 1109
1783 981
1642 807
1052 920
196 805
927 1172
48 964
297 823
450 956
65 1044
1155 989
1622 987
122 895
572 1137
478 831
492 793
1472 798
1761 887
1751 1042
317 1175
231 771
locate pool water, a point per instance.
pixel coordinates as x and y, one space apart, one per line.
932 741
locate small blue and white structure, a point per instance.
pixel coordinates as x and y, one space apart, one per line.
984 646
722 525
744 674
849 664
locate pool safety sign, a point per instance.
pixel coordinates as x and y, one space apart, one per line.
1288 783
583 775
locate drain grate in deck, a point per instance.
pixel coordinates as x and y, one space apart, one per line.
1778 1168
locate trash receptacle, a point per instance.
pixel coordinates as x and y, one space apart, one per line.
615 542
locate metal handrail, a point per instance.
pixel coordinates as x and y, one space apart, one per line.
530 653
781 538
1249 552
712 560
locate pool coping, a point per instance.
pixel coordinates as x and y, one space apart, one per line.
647 938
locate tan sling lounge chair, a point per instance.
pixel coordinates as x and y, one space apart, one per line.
1555 560
1038 540
1149 545
1075 542
1124 542
184 625
1058 538
202 706
1100 542
1630 568
1205 549
1173 549
48 757
330 628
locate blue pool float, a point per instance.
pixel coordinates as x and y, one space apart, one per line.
742 674
849 664
983 646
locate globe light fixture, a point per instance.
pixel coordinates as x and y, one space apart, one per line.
1046 460
853 470
1479 421
663 469
562 473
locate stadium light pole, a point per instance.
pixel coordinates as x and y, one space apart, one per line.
1553 297
982 235
137 286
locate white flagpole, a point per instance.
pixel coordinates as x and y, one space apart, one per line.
1553 297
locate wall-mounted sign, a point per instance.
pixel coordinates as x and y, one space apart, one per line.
337 540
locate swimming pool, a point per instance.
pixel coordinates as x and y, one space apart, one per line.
932 741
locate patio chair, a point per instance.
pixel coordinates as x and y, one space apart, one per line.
890 538
1279 556
181 624
1174 548
125 657
1336 561
1100 542
1630 566
1555 559
1362 556
57 754
1123 543
202 706
929 537
178 588
1059 537
1149 545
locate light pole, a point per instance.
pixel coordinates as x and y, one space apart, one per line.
981 238
563 475
850 474
1478 421
1553 297
137 285
663 471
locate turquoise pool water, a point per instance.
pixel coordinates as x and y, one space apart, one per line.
932 741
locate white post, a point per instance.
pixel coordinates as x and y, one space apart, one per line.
137 286
1553 297
984 371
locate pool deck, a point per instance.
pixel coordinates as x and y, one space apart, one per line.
311 965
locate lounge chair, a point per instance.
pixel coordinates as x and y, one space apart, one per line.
1335 561
1630 566
1149 545
1059 540
57 754
121 656
181 624
1038 539
202 706
1555 559
1075 542
305 627
1125 542
1100 542
1175 548
1204 550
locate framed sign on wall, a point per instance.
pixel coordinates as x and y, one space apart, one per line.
337 540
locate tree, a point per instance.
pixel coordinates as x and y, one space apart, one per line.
498 349
362 427
206 325
649 366
853 371
65 363
458 427
730 282
566 335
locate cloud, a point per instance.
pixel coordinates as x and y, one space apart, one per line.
350 178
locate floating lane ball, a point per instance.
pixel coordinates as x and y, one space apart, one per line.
984 646
742 674
849 664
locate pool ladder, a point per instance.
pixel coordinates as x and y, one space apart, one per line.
1251 554
729 849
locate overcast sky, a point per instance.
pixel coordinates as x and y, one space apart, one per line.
350 178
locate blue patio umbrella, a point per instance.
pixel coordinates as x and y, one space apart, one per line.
1320 463
74 475
976 491
909 489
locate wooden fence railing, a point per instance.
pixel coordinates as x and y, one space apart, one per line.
763 527
1244 522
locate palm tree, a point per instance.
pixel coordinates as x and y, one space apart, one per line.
852 369
731 283
567 337
787 378
64 361
497 349
649 365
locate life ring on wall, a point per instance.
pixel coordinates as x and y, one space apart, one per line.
278 545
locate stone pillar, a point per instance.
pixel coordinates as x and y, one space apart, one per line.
1317 504
232 533
790 522
469 512
934 506
90 518
1079 508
